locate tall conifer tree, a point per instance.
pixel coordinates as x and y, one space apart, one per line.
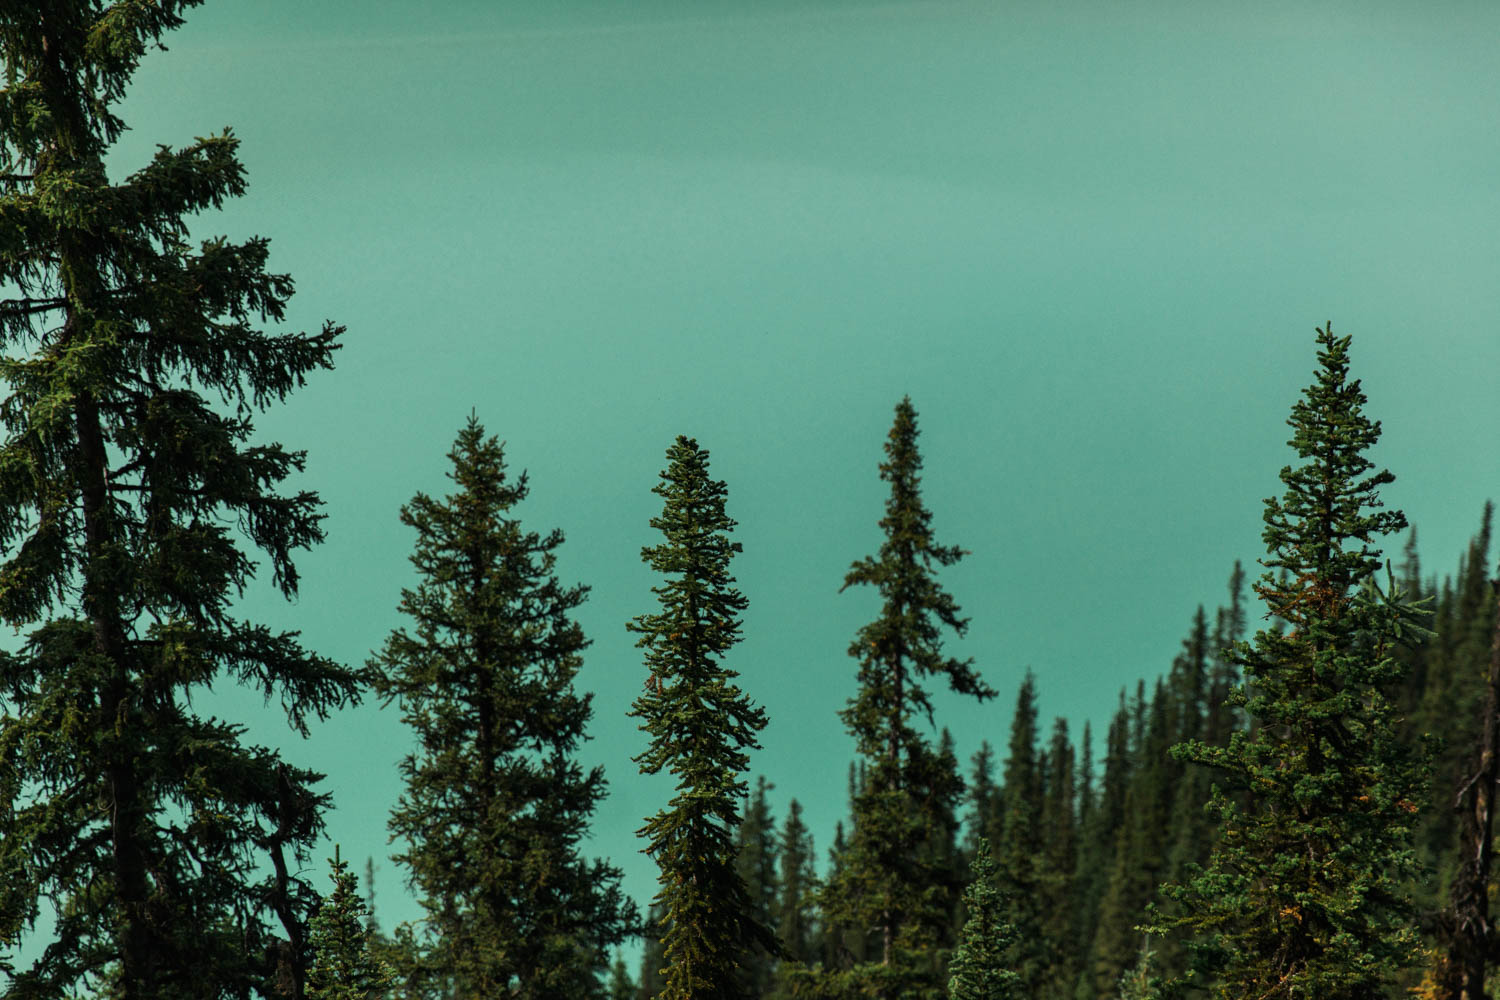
887 878
495 804
796 917
1304 893
701 724
166 848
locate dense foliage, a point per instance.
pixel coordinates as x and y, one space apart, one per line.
1268 818
495 804
162 852
700 725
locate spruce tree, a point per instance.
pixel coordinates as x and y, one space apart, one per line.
621 987
701 724
796 919
887 882
1304 893
1018 854
1058 868
161 848
343 967
495 804
980 967
755 860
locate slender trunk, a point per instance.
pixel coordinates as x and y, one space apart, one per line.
1469 946
127 806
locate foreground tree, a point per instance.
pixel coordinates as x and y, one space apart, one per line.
163 845
701 725
980 966
495 804
1304 893
888 883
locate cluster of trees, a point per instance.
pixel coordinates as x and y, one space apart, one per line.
1269 819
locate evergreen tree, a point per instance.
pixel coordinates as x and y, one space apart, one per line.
755 860
621 986
1059 862
795 916
495 804
653 957
888 882
979 967
1018 855
982 822
343 967
160 848
1140 848
701 725
1303 895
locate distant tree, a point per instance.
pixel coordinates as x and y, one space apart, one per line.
1470 935
982 821
159 850
653 957
701 725
796 917
980 969
495 804
343 967
1019 852
621 986
755 860
887 881
1059 864
1304 894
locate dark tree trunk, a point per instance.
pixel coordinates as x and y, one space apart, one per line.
1472 936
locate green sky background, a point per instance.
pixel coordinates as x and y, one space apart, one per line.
1091 241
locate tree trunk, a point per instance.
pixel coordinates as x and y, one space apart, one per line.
1471 938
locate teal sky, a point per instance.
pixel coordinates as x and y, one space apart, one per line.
1091 241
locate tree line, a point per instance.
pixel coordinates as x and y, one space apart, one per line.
1270 818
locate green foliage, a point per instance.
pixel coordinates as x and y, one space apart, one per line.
165 847
621 986
342 966
755 860
1304 893
796 918
890 879
701 725
980 967
495 804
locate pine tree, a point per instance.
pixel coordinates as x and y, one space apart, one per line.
495 804
887 881
979 967
1303 895
701 725
343 967
1059 863
653 957
795 916
1018 855
755 860
165 847
982 821
621 986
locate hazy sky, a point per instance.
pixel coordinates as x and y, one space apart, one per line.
1091 241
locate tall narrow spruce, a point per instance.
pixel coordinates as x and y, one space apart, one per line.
133 505
495 804
701 725
1305 892
890 881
